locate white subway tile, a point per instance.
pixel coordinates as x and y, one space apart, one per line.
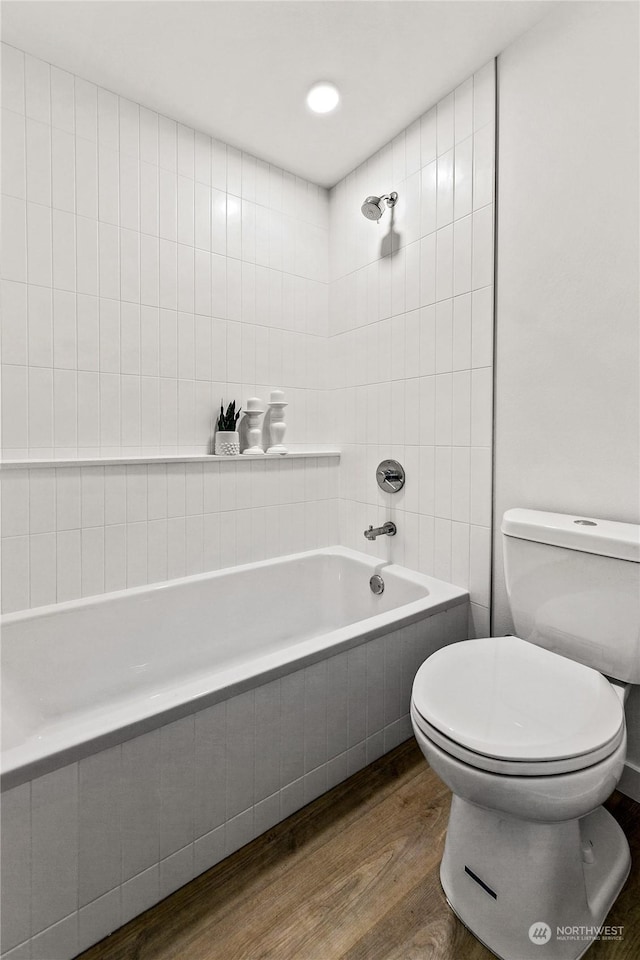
168 275
444 336
59 940
108 184
460 484
15 574
93 496
69 580
65 408
202 158
16 863
115 557
136 554
445 123
149 270
15 503
108 123
483 247
129 194
186 213
86 256
13 155
92 573
157 557
444 203
99 822
62 100
41 408
460 554
482 327
481 406
149 199
54 847
98 919
444 263
148 136
461 408
37 89
14 239
140 803
443 482
39 254
484 95
176 870
129 116
140 893
463 110
481 491
168 205
86 103
13 79
88 409
64 250
63 171
177 757
480 565
108 261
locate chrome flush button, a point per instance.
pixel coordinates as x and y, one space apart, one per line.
586 523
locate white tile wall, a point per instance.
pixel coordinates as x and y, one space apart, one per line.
147 271
91 845
70 532
411 341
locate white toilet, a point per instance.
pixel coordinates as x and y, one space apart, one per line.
529 734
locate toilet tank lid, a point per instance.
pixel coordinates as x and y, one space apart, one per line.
609 538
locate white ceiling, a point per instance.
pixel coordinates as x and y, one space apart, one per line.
240 71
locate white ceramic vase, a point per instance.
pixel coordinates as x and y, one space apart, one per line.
227 443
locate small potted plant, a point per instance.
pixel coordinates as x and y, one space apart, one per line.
227 437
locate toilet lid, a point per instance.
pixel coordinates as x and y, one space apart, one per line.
505 698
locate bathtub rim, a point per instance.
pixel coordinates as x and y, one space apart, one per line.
16 771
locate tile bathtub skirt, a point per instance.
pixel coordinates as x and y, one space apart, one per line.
91 845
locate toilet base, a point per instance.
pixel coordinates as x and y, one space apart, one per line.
518 885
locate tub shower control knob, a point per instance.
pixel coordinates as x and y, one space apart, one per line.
390 476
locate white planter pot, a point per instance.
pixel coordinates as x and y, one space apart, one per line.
227 443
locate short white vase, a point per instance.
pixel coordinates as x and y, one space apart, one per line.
253 411
227 443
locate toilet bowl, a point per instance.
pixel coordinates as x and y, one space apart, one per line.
532 741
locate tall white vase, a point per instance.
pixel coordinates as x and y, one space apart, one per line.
278 427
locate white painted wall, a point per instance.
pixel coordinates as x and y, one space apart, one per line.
567 360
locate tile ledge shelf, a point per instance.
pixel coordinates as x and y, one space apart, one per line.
161 458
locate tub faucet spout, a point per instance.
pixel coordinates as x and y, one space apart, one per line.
387 528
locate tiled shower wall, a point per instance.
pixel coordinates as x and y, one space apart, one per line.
70 532
148 271
411 341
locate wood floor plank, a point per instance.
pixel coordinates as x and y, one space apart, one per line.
353 876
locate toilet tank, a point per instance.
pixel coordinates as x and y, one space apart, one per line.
574 587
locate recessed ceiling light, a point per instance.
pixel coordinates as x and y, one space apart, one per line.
323 97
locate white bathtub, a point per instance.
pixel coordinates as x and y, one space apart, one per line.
83 675
148 734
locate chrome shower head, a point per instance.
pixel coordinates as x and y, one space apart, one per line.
373 207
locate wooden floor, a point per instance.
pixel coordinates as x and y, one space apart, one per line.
353 876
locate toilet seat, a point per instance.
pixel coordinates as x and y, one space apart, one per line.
505 705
